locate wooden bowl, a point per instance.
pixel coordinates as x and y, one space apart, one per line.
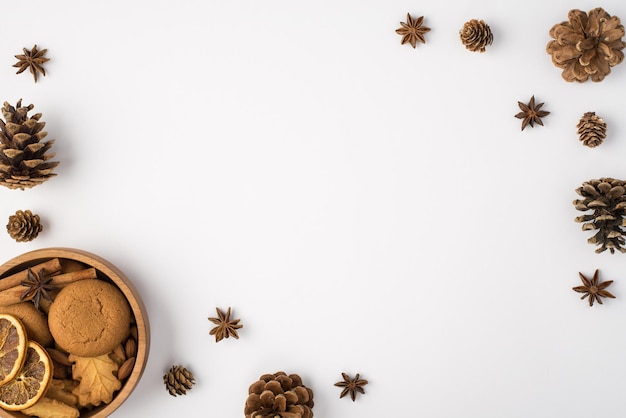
105 271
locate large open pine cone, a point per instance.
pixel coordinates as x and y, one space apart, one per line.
24 159
24 226
279 395
476 35
587 45
606 198
591 129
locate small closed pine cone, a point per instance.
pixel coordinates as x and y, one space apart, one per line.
24 226
591 129
476 35
606 198
279 395
24 157
178 380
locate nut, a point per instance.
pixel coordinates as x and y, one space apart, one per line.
130 348
126 368
119 352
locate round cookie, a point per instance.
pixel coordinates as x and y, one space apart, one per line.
34 321
89 318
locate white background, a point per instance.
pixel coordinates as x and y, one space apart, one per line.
363 206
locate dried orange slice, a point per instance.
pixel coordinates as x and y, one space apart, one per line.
31 382
13 342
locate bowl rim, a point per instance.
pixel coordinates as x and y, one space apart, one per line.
133 297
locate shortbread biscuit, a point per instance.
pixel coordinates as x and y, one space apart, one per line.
89 318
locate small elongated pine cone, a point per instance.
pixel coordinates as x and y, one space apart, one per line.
279 395
591 129
587 45
476 35
24 158
606 199
24 226
178 380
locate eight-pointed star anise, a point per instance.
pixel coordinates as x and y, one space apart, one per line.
531 113
413 30
225 326
38 285
33 60
592 289
351 386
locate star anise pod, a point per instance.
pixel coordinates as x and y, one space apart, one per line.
38 286
531 113
351 386
225 326
33 60
413 30
592 289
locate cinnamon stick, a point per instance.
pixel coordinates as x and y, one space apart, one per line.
14 294
63 280
51 266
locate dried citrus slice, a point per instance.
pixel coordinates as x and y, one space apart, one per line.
13 342
31 382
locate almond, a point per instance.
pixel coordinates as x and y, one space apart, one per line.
131 348
119 352
126 368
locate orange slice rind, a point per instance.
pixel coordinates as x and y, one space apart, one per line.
30 383
13 343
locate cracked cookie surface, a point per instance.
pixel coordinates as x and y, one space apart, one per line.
89 318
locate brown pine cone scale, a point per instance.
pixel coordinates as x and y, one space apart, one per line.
605 198
24 157
24 226
178 380
279 395
591 129
587 45
476 35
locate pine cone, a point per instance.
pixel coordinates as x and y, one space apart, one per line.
592 129
606 198
587 45
24 159
476 35
24 226
178 380
279 395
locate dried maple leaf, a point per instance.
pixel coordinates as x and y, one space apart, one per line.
225 326
33 60
351 386
592 289
531 113
413 30
97 381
